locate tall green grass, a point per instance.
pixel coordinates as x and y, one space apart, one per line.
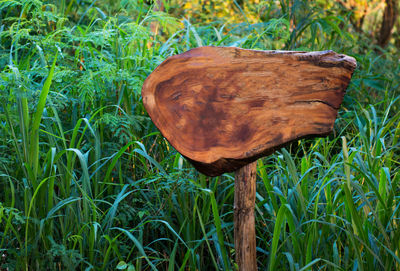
88 183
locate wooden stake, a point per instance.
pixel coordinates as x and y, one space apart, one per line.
244 222
223 108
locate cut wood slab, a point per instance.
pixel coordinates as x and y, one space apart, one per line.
225 107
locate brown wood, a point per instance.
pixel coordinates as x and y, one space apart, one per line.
244 222
225 107
388 21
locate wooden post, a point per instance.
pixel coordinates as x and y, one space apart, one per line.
223 108
244 222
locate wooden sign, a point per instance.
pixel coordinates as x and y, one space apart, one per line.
224 107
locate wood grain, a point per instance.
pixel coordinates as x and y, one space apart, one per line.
244 222
224 107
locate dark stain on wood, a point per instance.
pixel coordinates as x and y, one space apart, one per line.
257 103
244 133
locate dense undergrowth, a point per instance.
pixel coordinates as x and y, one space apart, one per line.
88 183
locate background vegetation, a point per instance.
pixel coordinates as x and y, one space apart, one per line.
88 183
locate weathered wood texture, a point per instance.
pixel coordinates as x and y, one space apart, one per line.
244 222
224 107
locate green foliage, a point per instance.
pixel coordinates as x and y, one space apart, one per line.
87 181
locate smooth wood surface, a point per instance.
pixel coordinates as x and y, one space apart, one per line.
225 107
244 222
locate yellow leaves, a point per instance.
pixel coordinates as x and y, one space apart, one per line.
188 5
227 11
